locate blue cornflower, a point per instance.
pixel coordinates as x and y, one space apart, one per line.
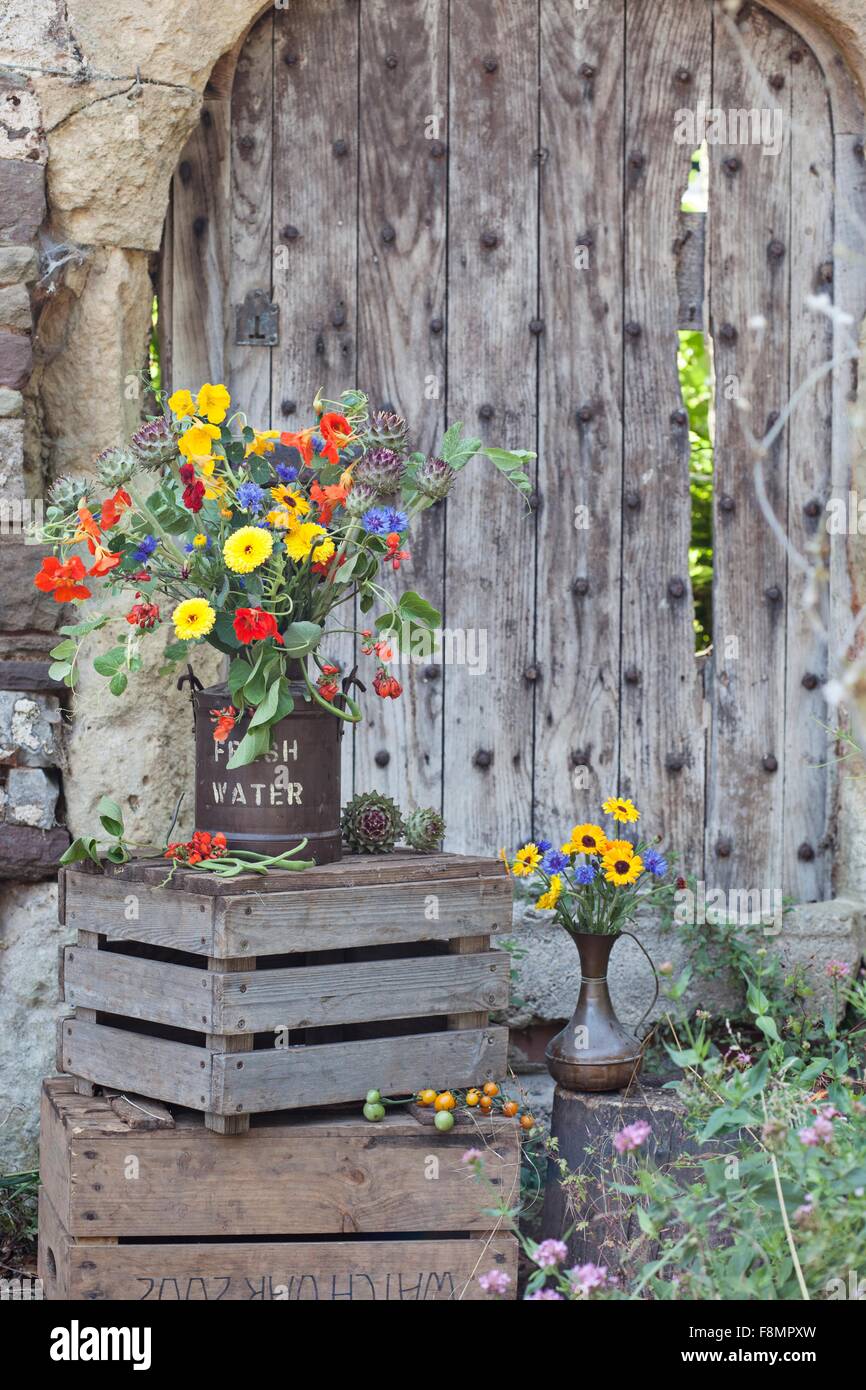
317 443
145 549
585 873
543 845
376 521
655 862
395 520
554 860
250 495
286 472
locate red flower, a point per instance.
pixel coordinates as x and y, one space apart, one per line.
385 686
224 719
113 508
193 495
143 615
328 670
63 580
328 689
327 498
255 625
336 432
395 554
187 473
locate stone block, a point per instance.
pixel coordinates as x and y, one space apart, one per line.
16 359
15 308
22 200
18 265
11 460
28 855
11 403
30 730
21 133
31 797
23 607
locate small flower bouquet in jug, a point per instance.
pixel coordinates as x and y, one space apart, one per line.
595 884
249 540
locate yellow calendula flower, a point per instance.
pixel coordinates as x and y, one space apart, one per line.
585 839
193 618
288 497
196 442
323 552
262 443
622 869
213 402
180 403
247 548
527 860
621 808
200 540
302 538
551 897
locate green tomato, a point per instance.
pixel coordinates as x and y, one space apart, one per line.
444 1120
373 1097
374 1112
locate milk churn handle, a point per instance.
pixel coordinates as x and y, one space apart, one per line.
655 974
352 679
194 684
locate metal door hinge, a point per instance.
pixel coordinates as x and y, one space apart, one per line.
257 321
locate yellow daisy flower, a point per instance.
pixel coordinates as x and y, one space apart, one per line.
621 847
622 869
527 860
195 443
213 402
181 404
199 540
323 552
288 497
262 443
301 539
585 839
551 897
193 618
621 808
503 858
247 548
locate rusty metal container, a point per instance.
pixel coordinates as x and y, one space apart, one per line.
291 794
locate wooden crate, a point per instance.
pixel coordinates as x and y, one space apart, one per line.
285 991
322 1207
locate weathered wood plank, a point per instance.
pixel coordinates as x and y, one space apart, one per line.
228 1045
302 1176
805 824
690 251
169 1071
492 364
356 992
248 369
749 219
475 947
662 740
338 918
401 340
294 1077
200 251
178 995
580 414
138 912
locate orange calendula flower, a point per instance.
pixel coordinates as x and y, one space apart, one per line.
62 579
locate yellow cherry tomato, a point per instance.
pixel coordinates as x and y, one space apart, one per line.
510 1108
485 1103
491 1088
427 1096
473 1096
527 1122
444 1101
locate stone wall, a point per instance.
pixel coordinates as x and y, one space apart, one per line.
97 99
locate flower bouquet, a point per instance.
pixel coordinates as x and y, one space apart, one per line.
594 885
248 540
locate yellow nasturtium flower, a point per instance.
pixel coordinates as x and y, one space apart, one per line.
181 404
262 443
197 441
213 402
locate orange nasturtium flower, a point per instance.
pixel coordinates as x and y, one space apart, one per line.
300 440
62 579
334 495
113 509
88 530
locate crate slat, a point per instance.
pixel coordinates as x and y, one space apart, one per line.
347 1270
321 1175
303 997
147 1066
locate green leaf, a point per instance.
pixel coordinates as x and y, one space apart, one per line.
110 662
110 816
63 649
83 629
82 848
118 683
227 638
266 711
723 1118
768 1027
511 463
164 507
300 638
254 744
59 670
238 673
646 1222
175 651
118 854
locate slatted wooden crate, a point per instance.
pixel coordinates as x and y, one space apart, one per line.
328 1207
285 991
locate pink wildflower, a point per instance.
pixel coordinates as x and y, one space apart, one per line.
837 969
471 1156
550 1252
585 1278
632 1137
543 1294
494 1281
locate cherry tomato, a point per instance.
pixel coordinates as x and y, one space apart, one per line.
491 1088
444 1101
510 1108
427 1096
473 1096
527 1122
486 1104
444 1120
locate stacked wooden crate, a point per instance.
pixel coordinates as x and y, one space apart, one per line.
324 1208
283 991
265 997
